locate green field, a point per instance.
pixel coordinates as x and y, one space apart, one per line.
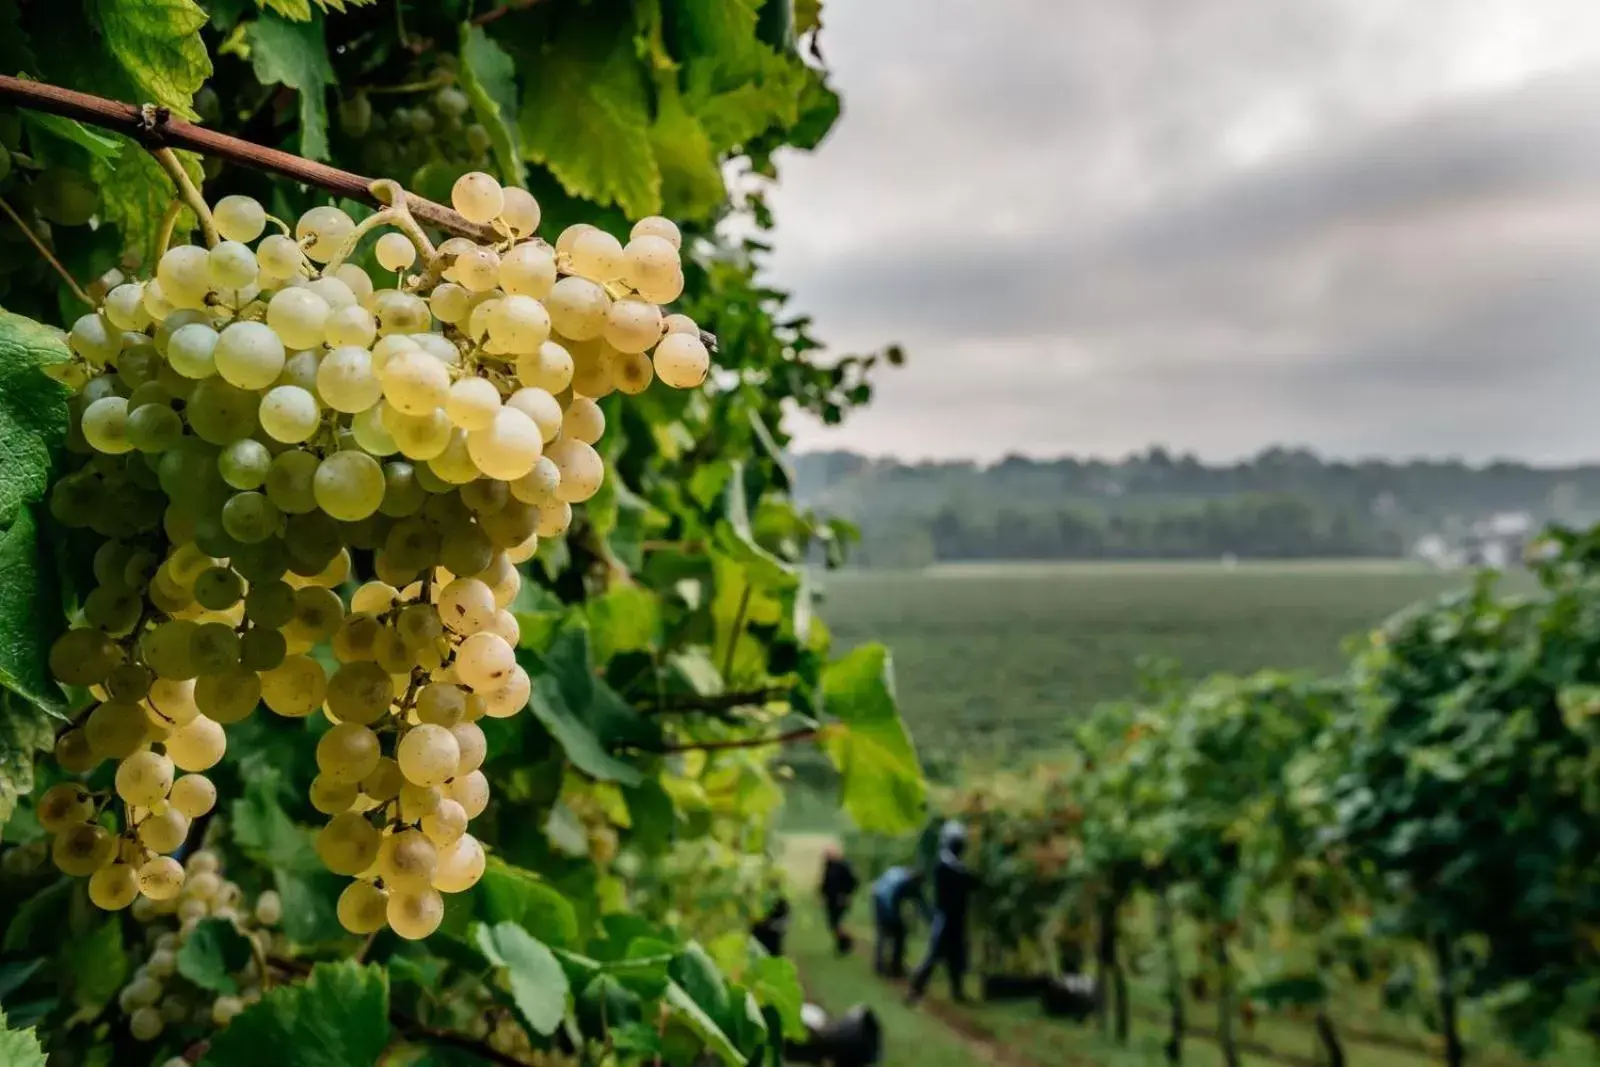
993 659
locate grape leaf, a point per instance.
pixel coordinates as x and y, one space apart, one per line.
98 963
295 54
157 42
98 145
489 78
212 953
300 10
19 1048
586 115
511 894
134 193
624 619
776 984
567 700
703 1025
538 984
883 789
691 174
338 1017
33 409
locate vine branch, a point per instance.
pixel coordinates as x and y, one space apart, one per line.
191 196
155 128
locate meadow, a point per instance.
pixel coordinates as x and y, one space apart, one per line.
994 659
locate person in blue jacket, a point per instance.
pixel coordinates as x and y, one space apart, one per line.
890 893
953 883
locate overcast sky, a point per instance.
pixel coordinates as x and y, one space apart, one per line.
1369 226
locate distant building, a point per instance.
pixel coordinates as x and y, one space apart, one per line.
1497 541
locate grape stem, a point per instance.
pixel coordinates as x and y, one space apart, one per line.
156 128
186 189
396 214
38 245
169 224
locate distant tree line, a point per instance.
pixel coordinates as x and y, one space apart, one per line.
1280 504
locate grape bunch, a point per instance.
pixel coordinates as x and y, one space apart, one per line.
156 996
257 422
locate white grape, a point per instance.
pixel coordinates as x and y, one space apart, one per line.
362 907
460 865
519 211
471 791
125 307
346 382
467 605
554 518
478 197
184 276
428 755
680 323
508 447
280 255
450 302
485 662
549 368
519 324
231 265
528 270
476 269
371 434
596 255
419 437
662 291
349 486
539 406
300 317
577 308
472 403
656 226
191 350
352 325
348 753
193 795
290 414
414 382
105 425
472 745
328 227
415 915
581 469
356 280
584 420
632 325
681 360
239 218
510 698
456 465
249 355
199 746
649 262
631 372
334 291
394 251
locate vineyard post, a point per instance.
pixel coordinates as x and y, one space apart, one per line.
1169 944
1219 956
1455 1055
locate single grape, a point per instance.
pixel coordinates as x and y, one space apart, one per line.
632 325
428 755
415 915
538 486
581 469
184 276
144 778
221 414
251 518
478 197
596 255
231 265
349 486
519 324
508 447
485 661
407 861
83 657
445 824
295 688
239 218
583 420
649 262
476 269
656 226
371 434
125 308
554 519
105 426
682 361
348 844
299 316
539 406
353 325
249 355
95 339
146 1024
161 878
82 849
335 291
327 227
461 864
199 746
414 383
577 308
332 797
62 805
631 372
363 908
520 211
360 692
441 704
153 428
549 368
193 795
510 698
385 782
394 251
348 753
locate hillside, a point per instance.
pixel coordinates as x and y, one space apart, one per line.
1283 503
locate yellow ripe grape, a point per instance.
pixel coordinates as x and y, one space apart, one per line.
198 746
507 448
466 605
144 778
348 753
581 469
349 486
682 360
472 745
417 801
346 380
583 421
663 291
478 197
549 368
161 878
472 403
363 908
519 211
407 860
538 486
163 831
415 915
596 255
505 623
631 373
510 698
360 693
414 383
428 755
441 704
175 702
445 825
114 886
74 753
401 313
476 269
484 661
295 688
471 791
374 598
632 325
348 844
115 730
591 371
385 781
577 308
503 580
523 552
554 518
193 795
680 323
332 797
455 464
327 228
539 406
203 885
460 865
239 218
648 262
353 326
518 324
298 316
528 270
290 414
64 804
394 251
656 226
357 638
450 302
419 437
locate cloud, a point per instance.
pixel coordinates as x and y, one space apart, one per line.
1098 225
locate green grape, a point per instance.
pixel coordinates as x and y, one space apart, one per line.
357 638
250 355
129 682
346 381
331 796
244 464
484 496
270 604
298 316
349 486
191 350
221 414
218 588
360 692
290 480
295 688
230 696
251 518
239 218
261 649
266 562
402 495
465 549
215 647
153 428
83 657
290 414
348 844
231 265
64 196
348 753
314 540
369 432
105 425
317 613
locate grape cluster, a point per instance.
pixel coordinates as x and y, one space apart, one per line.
250 416
402 133
156 996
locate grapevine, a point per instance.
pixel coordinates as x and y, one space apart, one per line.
261 423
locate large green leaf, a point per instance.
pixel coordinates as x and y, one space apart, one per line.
586 116
134 194
585 716
33 409
296 54
489 77
265 833
716 1040
338 1017
883 789
210 955
19 1048
776 983
625 618
157 42
98 144
98 963
511 894
538 984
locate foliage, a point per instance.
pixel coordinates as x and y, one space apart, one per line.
671 627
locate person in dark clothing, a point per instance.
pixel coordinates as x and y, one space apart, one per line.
839 884
890 893
770 930
953 883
